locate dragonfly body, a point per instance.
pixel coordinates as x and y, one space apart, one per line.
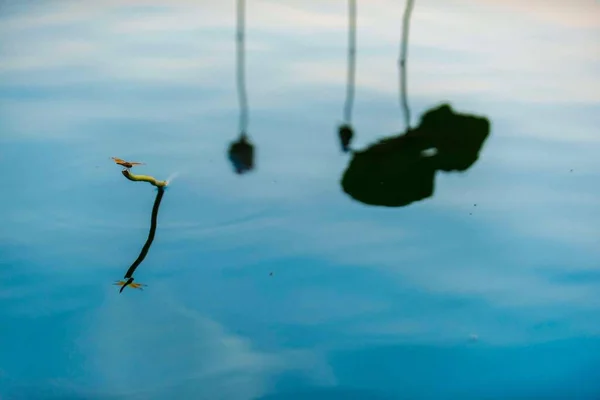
126 164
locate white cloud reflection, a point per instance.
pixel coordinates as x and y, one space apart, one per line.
533 56
154 348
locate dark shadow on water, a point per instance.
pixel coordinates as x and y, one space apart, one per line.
345 134
241 154
400 170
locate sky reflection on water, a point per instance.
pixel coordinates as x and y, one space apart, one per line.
363 301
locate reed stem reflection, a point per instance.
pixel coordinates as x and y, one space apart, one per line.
402 63
351 73
241 152
345 131
241 65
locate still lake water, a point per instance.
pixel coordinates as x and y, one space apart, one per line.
275 284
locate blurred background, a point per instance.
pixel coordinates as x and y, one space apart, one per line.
276 283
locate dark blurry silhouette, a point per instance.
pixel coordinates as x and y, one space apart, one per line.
153 220
345 131
400 170
241 154
241 151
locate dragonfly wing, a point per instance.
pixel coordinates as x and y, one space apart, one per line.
137 285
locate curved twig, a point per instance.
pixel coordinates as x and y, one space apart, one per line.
153 219
144 178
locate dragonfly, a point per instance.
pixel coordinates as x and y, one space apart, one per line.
126 164
129 282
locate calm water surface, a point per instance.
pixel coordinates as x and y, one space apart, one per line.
275 284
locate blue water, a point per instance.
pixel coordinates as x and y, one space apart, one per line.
275 284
